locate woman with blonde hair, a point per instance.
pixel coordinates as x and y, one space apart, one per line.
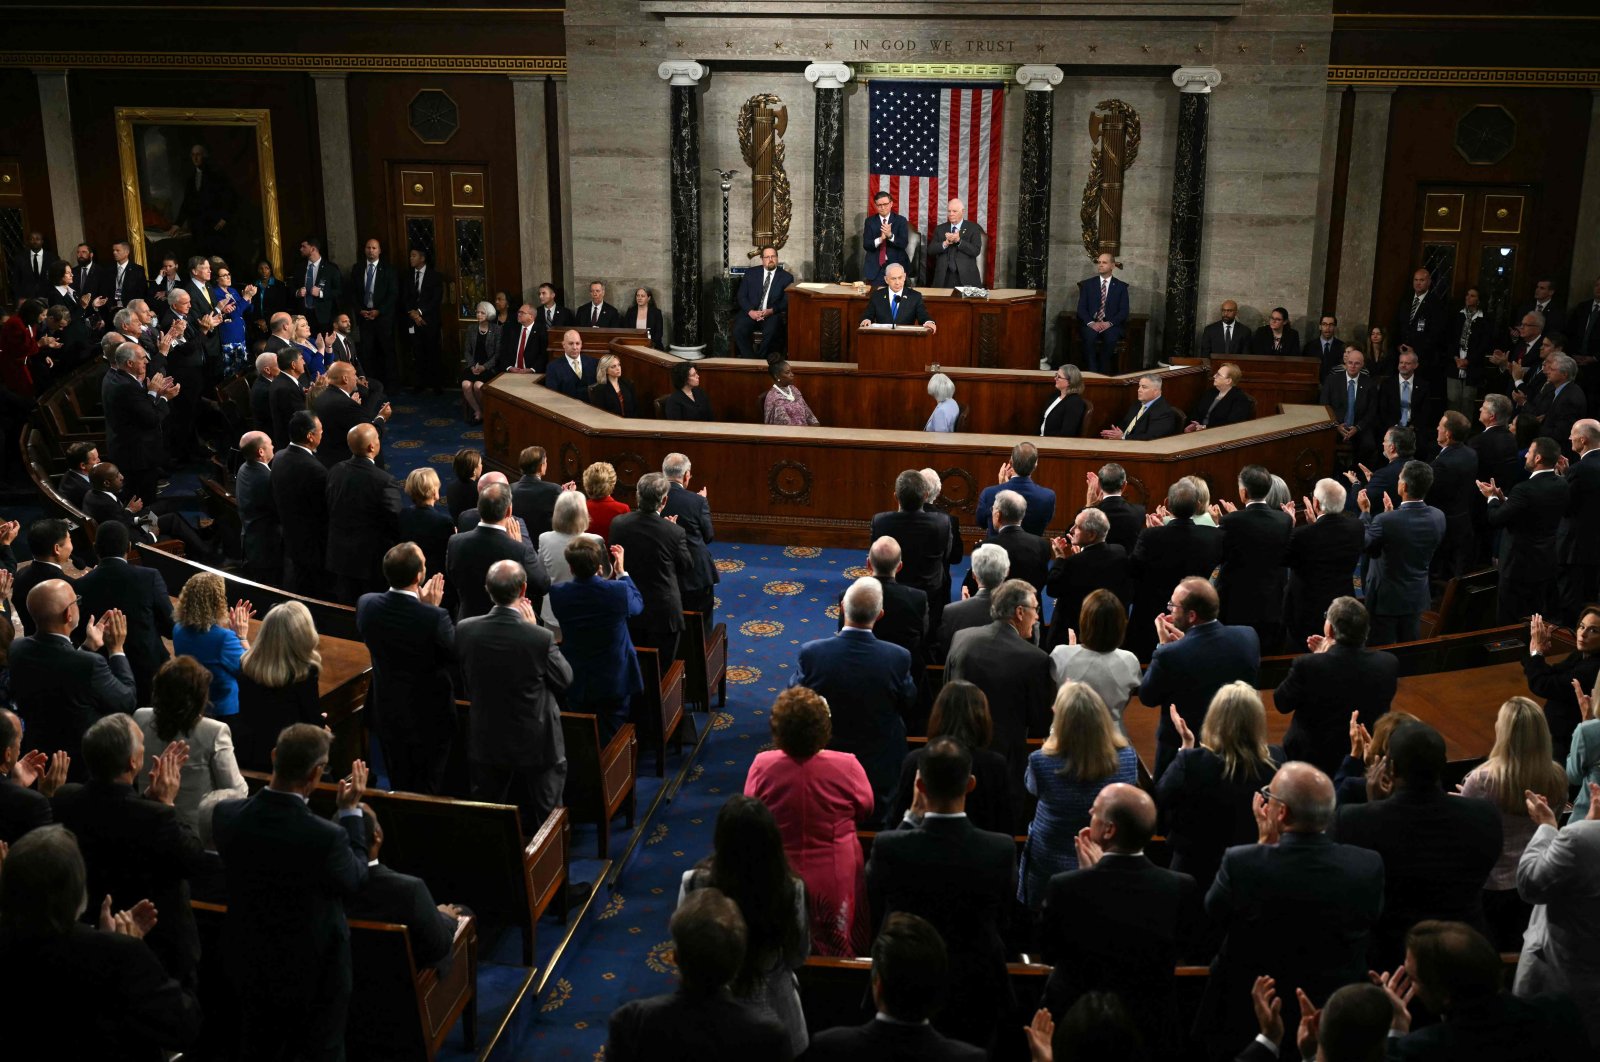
1520 762
599 480
1084 753
569 520
425 523
611 392
1206 790
278 683
205 628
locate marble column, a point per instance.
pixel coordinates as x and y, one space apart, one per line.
1586 251
338 171
1033 223
533 183
1363 201
1188 206
55 112
684 143
827 197
1317 295
564 268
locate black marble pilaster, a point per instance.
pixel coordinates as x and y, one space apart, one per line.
685 147
827 203
1033 225
1188 212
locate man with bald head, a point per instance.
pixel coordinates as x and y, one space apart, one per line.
363 516
1117 923
340 408
1296 906
1225 337
956 246
61 691
896 304
261 535
469 518
905 608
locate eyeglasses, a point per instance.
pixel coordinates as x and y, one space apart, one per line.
1029 608
1174 606
1267 794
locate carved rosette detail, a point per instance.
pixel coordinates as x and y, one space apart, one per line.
571 460
1307 468
630 466
958 490
790 482
830 338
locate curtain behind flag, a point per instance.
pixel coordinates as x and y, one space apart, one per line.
933 142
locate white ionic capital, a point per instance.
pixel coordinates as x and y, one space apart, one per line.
1197 79
676 72
1038 78
829 75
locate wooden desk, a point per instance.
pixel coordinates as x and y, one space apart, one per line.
1272 381
596 341
894 349
1003 331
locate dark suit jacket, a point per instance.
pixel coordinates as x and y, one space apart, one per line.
60 692
413 646
657 556
542 327
101 507
363 518
870 689
603 396
924 539
1116 305
25 283
512 668
749 295
956 265
288 872
429 300
133 422
286 398
339 413
679 406
694 516
1530 514
689 1027
1405 540
1029 553
1333 360
593 614
882 1041
141 594
1437 851
958 616
330 281
261 404
1559 412
1015 675
1255 548
654 323
1322 689
1427 331
1189 671
1073 578
1506 1028
558 376
262 533
470 554
1158 422
26 579
390 896
134 285
1232 408
1214 342
385 291
583 317
1063 419
1583 328
1322 558
1497 457
895 245
1389 404
1163 557
21 809
300 489
1041 503
1455 472
1127 521
904 621
909 309
72 485
1579 537
264 711
1288 345
1336 394
534 500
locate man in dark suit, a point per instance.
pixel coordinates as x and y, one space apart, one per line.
134 846
990 565
73 484
340 409
924 539
597 312
1583 341
700 1020
91 285
60 691
50 544
1029 553
1527 351
1337 677
1296 907
30 269
512 668
1225 337
1561 402
128 281
693 514
136 407
1197 657
1578 538
961 879
1086 564
1404 397
896 304
1422 321
390 896
1104 492
1353 397
1164 555
1017 474
363 517
1323 554
379 295
204 306
1545 304
300 492
549 316
287 395
884 240
572 374
1529 517
533 497
1118 922
910 973
763 301
1437 847
1102 314
421 318
1401 543
956 247
1455 477
869 688
23 807
1150 417
413 647
1467 352
318 292
658 553
1499 461
261 534
103 504
496 537
1326 346
139 593
1255 550
905 608
286 941
934 484
594 610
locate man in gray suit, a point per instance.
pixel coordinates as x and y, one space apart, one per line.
955 247
1401 541
515 751
261 533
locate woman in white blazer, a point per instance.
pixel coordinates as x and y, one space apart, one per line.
179 692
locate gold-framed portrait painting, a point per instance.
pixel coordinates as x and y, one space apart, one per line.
199 182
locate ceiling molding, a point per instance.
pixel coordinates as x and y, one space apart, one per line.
1479 76
551 65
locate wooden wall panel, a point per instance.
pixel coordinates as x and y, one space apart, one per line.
22 138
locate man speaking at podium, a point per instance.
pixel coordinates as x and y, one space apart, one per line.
896 304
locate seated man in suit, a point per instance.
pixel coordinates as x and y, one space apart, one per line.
1352 395
1401 543
363 516
1029 553
1255 548
101 505
512 668
1337 677
1225 337
1017 474
1102 314
1082 566
701 1020
1437 848
572 374
1323 553
390 896
1117 923
896 304
597 312
50 542
27 782
139 593
956 247
594 609
1150 417
940 867
340 408
869 687
1326 346
1197 657
990 566
923 537
910 976
74 482
763 301
905 608
1223 403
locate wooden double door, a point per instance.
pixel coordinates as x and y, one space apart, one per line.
443 211
1478 236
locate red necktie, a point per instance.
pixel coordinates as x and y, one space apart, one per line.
883 249
522 345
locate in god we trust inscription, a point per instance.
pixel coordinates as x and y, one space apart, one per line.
933 46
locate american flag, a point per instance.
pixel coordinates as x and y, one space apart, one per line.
935 142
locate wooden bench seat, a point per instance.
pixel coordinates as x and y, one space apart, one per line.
600 780
658 710
704 652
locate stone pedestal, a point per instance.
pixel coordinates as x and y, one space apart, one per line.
1363 203
55 112
1033 225
338 175
827 203
1188 206
684 145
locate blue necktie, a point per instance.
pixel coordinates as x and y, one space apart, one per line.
892 311
1350 405
1405 403
372 269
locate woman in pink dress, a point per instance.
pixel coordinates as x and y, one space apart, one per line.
818 796
784 404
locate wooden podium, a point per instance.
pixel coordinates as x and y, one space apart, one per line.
1000 332
903 348
596 341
